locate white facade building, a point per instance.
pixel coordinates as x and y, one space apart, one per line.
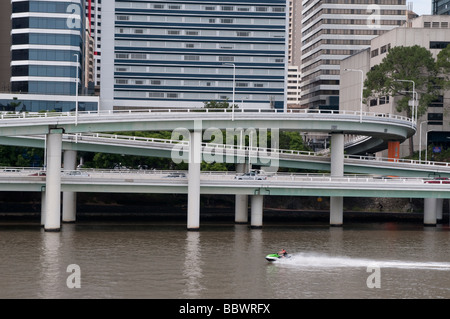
430 32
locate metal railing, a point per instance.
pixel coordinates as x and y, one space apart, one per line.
15 115
152 174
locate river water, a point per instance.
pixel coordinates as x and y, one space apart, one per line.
143 259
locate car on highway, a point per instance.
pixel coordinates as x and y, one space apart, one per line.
75 173
40 173
252 175
438 180
176 175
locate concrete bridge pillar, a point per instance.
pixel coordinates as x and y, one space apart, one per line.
241 201
257 211
429 216
53 181
43 207
439 209
69 198
195 157
337 170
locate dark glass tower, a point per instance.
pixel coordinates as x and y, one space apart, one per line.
183 53
441 7
47 46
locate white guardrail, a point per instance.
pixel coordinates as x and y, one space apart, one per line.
131 174
288 154
259 150
16 115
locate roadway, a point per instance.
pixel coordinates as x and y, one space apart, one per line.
376 125
279 184
154 147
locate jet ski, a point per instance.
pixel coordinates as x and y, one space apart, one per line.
275 257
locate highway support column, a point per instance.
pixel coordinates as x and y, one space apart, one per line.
337 170
53 181
256 218
430 209
43 206
439 210
69 198
241 201
195 157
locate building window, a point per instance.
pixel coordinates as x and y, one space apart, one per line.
374 53
439 102
242 33
192 58
384 100
226 58
435 118
438 44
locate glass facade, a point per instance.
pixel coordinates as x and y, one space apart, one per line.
23 105
191 52
441 7
47 46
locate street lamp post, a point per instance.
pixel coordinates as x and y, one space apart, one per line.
426 145
76 91
234 87
420 140
362 89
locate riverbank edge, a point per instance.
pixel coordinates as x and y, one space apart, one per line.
226 214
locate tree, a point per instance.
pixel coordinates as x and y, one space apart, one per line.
414 63
218 105
443 64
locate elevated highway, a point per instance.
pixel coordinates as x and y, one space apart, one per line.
337 124
155 147
222 183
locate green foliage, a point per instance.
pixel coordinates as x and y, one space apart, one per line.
287 140
292 141
443 64
12 156
414 63
219 105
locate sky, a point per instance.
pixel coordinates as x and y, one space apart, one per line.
421 7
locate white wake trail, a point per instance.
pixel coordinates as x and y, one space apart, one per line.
311 260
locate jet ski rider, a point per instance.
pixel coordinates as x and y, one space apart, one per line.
282 253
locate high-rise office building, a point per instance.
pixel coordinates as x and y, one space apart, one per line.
184 53
94 28
441 7
47 46
5 46
333 30
45 53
